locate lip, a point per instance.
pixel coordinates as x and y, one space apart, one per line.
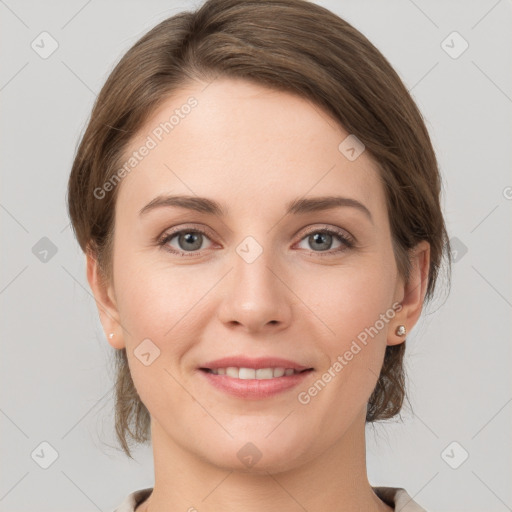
254 389
255 363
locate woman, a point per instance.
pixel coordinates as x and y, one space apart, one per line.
258 200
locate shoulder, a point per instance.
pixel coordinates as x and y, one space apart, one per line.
133 500
398 498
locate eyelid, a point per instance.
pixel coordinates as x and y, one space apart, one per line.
179 228
332 229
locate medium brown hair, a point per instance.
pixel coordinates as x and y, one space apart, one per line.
287 45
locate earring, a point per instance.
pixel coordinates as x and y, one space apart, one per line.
400 330
111 335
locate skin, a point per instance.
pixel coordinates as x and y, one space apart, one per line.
253 149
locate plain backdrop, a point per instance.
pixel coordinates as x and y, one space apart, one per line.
452 449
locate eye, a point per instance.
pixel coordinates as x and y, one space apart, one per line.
190 242
321 240
187 241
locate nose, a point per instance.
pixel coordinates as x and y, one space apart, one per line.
255 295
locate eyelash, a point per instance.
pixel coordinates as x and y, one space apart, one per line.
344 239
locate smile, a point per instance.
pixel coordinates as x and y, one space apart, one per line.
254 384
251 373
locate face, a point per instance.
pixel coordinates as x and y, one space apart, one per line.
272 274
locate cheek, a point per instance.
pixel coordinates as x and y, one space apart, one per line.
355 310
351 298
151 295
160 310
167 305
159 303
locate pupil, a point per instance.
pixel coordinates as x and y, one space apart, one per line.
320 238
190 238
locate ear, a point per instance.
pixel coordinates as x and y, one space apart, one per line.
411 295
105 301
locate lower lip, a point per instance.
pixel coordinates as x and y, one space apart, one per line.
254 389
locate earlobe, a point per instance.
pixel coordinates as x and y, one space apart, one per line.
412 293
401 330
398 332
105 302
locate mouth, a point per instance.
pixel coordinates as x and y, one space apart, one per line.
262 383
243 373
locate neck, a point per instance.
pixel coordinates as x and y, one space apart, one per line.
333 480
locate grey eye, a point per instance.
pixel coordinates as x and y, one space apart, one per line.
320 241
187 240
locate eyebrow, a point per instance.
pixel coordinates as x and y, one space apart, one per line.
296 207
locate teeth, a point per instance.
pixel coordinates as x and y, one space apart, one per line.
244 373
263 373
232 372
251 373
279 372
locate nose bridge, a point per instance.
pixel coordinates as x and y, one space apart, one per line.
254 294
252 277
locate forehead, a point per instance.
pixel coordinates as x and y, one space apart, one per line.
237 141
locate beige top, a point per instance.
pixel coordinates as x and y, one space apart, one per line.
395 497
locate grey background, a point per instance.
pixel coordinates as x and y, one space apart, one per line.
56 374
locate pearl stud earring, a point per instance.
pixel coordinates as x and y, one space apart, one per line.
111 335
400 330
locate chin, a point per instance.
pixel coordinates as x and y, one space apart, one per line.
258 457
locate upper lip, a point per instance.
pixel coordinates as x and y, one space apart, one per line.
255 363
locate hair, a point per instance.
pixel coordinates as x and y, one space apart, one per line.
288 45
